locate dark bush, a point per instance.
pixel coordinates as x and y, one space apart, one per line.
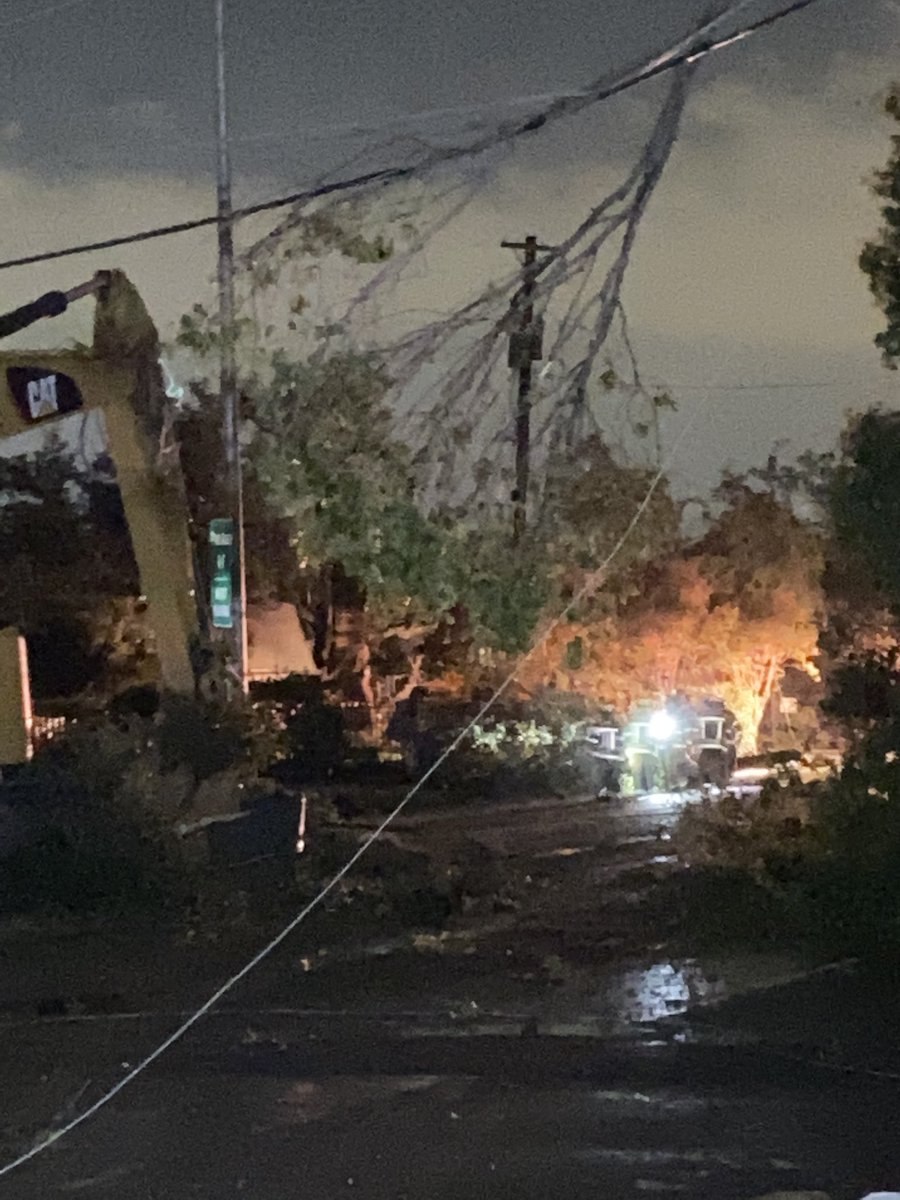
314 738
817 870
95 841
205 739
99 806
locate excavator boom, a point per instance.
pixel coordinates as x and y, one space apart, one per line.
121 378
51 304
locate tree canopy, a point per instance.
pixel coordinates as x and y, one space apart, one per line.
336 477
865 497
722 616
880 259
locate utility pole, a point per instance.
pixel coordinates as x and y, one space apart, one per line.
229 614
525 348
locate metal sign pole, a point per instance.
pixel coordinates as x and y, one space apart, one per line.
237 636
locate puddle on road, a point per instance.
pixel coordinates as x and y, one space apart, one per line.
622 1000
661 1158
659 991
663 1102
669 988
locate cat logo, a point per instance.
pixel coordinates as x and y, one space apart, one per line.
42 401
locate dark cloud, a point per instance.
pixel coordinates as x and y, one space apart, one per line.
127 84
801 54
745 266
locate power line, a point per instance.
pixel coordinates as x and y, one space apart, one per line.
320 132
592 583
326 189
688 51
699 46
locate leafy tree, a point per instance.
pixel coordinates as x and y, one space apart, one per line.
800 484
332 513
723 617
755 549
590 501
338 491
865 497
325 454
862 578
858 619
865 690
880 259
762 566
838 496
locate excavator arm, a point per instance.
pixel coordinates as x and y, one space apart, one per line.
119 377
51 304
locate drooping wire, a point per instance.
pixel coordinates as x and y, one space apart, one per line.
593 582
326 890
575 255
688 51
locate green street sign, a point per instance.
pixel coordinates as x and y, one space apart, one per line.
222 546
221 593
223 559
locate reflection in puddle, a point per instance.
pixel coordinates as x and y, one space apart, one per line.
658 1158
661 990
662 1102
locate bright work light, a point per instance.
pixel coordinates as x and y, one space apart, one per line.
662 726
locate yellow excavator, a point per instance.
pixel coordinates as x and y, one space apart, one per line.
120 376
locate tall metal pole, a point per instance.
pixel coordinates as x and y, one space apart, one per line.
525 349
233 483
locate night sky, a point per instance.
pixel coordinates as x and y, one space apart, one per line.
745 270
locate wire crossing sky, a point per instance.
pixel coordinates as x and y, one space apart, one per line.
690 50
576 252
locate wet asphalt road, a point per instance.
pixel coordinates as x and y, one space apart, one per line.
473 1118
437 1074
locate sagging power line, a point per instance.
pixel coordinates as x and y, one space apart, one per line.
689 50
56 1135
